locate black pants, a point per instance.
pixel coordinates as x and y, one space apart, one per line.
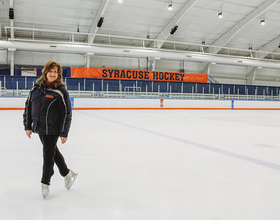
51 155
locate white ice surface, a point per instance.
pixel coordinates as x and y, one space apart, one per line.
148 165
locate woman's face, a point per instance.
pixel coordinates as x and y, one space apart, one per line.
52 75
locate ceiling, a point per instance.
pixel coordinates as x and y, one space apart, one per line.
147 24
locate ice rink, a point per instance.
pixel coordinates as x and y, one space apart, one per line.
148 165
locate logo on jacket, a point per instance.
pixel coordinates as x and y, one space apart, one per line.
49 96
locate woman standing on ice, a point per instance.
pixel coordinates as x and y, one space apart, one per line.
48 113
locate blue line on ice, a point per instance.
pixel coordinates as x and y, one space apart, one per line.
227 153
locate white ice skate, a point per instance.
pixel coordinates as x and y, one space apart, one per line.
45 190
70 179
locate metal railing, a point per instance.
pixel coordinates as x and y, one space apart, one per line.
147 95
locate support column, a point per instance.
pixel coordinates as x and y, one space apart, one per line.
11 52
88 55
251 76
206 69
152 63
182 66
0 30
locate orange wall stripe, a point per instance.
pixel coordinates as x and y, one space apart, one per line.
175 109
11 108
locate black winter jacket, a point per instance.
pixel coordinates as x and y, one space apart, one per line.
48 111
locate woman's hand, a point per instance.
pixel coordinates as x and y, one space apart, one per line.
63 140
28 133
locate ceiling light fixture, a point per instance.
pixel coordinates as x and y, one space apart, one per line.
11 13
173 30
170 7
120 1
262 20
100 22
203 41
148 35
220 13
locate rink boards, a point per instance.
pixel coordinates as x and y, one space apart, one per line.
18 103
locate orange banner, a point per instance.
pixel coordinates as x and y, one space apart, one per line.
107 73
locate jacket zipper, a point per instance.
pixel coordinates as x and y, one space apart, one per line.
60 93
47 116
